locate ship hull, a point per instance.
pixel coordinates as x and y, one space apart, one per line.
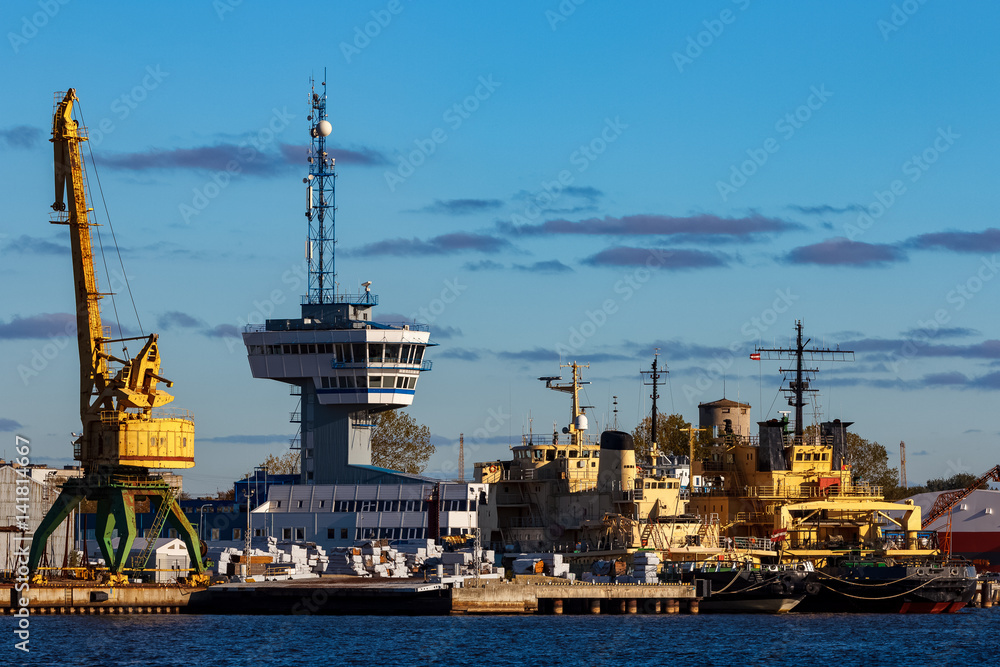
890 590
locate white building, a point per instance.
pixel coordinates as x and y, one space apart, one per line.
169 558
339 514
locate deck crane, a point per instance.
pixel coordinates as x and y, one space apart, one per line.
122 437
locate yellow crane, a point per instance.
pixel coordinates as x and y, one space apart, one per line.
122 437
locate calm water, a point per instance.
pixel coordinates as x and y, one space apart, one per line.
968 638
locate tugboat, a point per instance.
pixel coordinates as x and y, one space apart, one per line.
739 587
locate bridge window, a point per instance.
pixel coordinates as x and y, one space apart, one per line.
392 353
404 354
362 382
375 352
375 381
418 353
359 353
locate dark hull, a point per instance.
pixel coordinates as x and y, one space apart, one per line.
890 590
752 591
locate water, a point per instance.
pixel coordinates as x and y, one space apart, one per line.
968 637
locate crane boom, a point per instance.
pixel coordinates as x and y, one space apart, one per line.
947 500
70 188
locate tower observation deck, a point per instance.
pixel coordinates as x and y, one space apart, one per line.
346 366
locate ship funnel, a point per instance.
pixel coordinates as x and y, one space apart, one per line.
616 470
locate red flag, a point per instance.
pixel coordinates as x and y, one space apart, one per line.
755 356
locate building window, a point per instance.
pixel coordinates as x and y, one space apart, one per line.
278 504
331 533
322 503
286 533
343 533
237 533
215 534
300 533
258 532
298 504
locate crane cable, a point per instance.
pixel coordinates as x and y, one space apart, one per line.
100 242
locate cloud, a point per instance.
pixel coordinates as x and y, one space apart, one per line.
21 136
460 353
670 260
843 252
222 331
363 156
988 349
987 240
943 332
43 325
581 199
536 354
220 157
483 265
550 266
249 439
461 206
444 333
826 209
35 245
951 377
445 244
9 425
175 318
696 226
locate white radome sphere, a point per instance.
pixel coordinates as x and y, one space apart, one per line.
324 128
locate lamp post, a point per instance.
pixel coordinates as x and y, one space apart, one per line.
246 541
201 521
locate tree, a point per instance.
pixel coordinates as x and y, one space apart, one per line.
400 443
286 464
670 439
870 463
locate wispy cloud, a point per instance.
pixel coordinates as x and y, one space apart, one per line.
696 226
360 155
9 425
670 260
461 353
827 209
483 265
549 266
987 240
988 349
445 244
21 137
942 332
461 206
226 156
222 331
43 325
176 319
843 252
34 245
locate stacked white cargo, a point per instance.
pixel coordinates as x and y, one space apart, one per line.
645 568
420 553
279 561
551 565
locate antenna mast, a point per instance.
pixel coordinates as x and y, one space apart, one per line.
320 203
800 386
653 378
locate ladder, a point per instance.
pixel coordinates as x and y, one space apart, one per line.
153 533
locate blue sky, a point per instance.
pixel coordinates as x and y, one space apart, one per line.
530 179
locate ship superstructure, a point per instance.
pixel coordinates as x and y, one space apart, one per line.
345 366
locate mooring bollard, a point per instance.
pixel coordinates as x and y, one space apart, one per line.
693 607
673 606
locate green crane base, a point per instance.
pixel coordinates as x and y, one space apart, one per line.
116 494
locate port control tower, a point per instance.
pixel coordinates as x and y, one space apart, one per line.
344 366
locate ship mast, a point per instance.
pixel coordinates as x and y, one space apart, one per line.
800 386
653 378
